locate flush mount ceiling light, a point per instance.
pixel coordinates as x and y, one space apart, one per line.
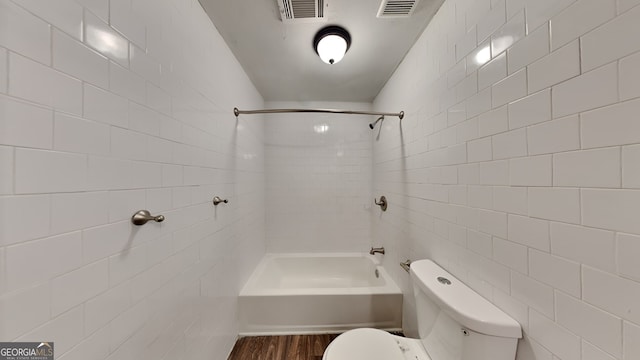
331 43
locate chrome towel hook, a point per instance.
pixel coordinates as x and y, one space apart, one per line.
382 203
141 217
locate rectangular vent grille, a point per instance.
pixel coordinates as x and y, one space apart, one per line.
397 8
301 9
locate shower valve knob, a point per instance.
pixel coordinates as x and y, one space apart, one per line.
382 203
217 200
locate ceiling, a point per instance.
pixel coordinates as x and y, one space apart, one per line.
280 59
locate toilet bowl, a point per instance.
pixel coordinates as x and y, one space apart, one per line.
374 344
454 323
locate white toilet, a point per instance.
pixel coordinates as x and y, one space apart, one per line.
454 323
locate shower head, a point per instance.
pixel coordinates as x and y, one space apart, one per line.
373 124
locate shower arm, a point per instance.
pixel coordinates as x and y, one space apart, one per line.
237 112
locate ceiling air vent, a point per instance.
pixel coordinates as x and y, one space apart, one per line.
301 9
397 8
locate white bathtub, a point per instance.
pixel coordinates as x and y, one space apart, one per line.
318 293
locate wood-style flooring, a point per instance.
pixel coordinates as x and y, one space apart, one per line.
286 347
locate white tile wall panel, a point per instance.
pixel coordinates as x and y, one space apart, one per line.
105 40
590 246
630 172
554 337
611 209
533 233
77 286
598 48
68 330
65 172
100 127
493 122
554 136
54 89
590 90
625 5
126 83
15 226
537 295
579 18
512 200
492 21
627 246
74 211
24 33
38 261
76 135
631 347
588 168
509 145
611 293
560 204
74 58
97 7
3 70
6 170
530 110
510 254
531 48
540 11
590 352
65 15
555 271
629 77
610 126
15 321
531 171
558 66
18 118
105 107
509 89
508 34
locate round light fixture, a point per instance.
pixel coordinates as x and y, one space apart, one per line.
331 43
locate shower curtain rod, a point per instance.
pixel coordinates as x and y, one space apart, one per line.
331 111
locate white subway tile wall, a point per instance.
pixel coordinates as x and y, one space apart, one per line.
106 108
318 178
551 176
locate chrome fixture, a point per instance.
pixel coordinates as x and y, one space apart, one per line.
331 43
373 124
378 250
382 203
142 216
237 112
217 200
406 265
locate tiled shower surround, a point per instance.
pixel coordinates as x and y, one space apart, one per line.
106 108
517 167
318 179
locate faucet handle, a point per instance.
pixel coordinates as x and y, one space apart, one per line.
382 203
217 200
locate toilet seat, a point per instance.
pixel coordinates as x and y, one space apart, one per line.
364 344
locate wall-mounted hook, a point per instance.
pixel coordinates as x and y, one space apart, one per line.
382 203
217 200
141 217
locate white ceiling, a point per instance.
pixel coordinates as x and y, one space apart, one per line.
280 59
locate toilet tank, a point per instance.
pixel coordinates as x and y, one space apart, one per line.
455 322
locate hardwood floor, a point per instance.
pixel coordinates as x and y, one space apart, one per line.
287 347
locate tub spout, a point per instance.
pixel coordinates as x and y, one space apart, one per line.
378 250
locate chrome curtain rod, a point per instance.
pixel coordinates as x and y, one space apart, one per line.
331 111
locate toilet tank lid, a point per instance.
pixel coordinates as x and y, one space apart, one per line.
462 303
